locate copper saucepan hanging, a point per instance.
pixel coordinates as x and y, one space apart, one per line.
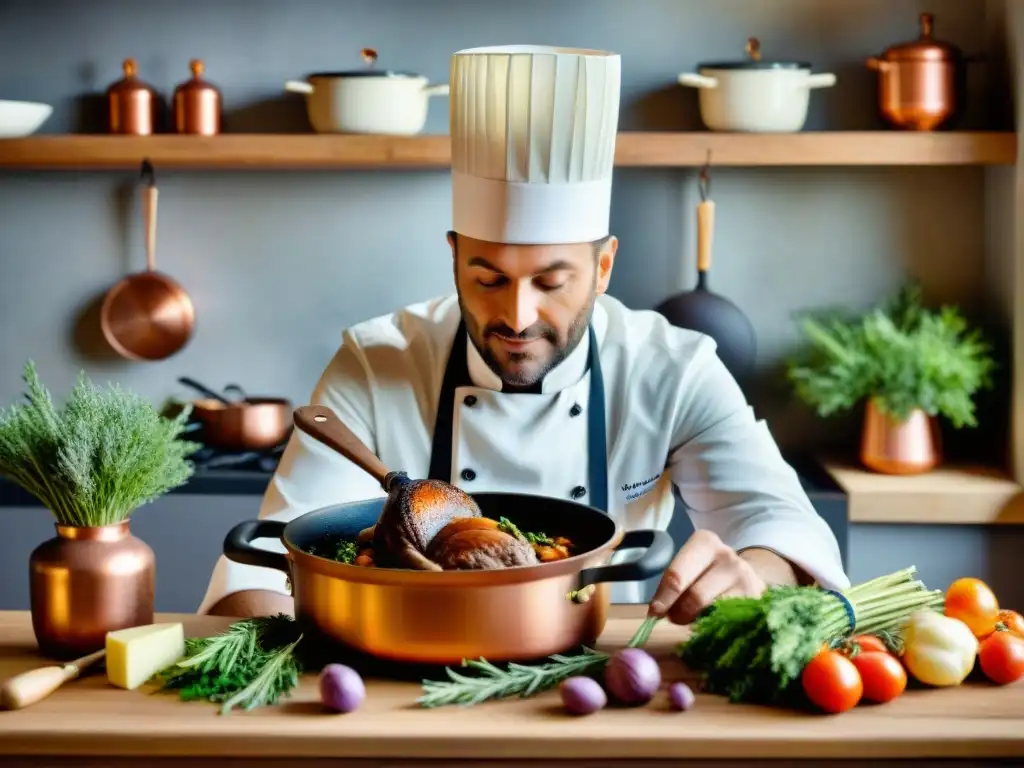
147 315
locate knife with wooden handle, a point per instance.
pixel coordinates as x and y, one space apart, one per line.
35 685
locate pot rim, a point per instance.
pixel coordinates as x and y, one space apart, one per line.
755 65
356 74
209 405
453 579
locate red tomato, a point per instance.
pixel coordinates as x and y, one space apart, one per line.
1013 622
883 676
832 682
1002 658
971 601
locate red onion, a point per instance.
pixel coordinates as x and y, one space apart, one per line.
582 695
341 688
632 676
680 697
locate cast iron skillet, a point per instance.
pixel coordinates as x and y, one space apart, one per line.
588 528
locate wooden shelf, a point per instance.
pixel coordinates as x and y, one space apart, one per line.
963 495
326 152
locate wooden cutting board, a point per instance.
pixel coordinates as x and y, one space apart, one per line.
90 718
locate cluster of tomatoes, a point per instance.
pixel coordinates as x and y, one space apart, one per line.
866 668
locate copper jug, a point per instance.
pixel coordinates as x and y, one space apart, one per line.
133 106
921 83
197 104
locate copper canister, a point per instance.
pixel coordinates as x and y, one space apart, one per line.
197 104
133 106
921 83
86 582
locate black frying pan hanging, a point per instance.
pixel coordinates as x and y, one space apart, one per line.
709 313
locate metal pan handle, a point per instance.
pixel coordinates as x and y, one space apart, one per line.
238 544
651 563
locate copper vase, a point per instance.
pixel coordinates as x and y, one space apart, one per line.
85 582
891 447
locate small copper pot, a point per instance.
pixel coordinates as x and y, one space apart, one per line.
86 582
246 424
908 447
133 107
197 104
922 83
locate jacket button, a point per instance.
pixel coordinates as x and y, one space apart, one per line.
575 410
468 474
578 492
470 400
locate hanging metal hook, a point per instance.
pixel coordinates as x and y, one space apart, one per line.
705 179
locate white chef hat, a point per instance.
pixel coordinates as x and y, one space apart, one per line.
533 143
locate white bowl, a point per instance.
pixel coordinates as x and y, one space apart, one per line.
22 118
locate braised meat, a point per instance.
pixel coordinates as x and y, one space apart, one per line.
410 521
480 548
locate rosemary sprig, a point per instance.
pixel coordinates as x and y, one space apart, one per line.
521 680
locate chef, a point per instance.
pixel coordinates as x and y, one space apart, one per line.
531 379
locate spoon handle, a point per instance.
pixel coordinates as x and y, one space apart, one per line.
321 423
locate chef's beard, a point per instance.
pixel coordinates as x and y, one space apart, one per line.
560 350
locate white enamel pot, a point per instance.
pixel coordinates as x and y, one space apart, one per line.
755 96
367 101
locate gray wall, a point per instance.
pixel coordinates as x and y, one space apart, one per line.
279 264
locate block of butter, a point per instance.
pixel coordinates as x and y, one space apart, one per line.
135 654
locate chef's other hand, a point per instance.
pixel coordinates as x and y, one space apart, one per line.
703 570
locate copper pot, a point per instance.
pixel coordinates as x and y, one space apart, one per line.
922 83
147 315
86 582
891 447
248 424
133 107
197 104
442 617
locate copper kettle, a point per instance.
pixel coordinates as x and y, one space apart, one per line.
921 83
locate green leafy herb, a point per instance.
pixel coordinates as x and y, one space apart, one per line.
754 648
521 680
534 539
251 664
342 550
902 356
98 458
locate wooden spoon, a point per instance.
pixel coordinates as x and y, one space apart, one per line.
415 510
35 685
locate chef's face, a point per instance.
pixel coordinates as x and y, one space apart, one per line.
526 307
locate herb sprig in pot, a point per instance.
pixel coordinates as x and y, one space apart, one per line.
92 462
909 364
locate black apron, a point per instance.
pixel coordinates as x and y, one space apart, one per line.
456 374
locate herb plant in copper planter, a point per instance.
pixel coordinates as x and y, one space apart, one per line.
92 462
909 365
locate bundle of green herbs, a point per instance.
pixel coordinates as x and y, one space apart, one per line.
251 664
96 459
490 681
753 649
901 355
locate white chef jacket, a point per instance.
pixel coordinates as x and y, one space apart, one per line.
675 417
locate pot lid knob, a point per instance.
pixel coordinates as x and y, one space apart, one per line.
130 82
753 48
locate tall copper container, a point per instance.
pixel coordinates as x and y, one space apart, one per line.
922 83
890 447
85 582
133 106
197 104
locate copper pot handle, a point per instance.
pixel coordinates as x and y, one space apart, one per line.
660 550
239 549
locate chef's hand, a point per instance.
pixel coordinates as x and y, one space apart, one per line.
706 569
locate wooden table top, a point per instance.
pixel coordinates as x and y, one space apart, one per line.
88 717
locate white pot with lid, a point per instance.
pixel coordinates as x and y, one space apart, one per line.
755 96
368 101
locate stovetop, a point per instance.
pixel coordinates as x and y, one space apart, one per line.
210 458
